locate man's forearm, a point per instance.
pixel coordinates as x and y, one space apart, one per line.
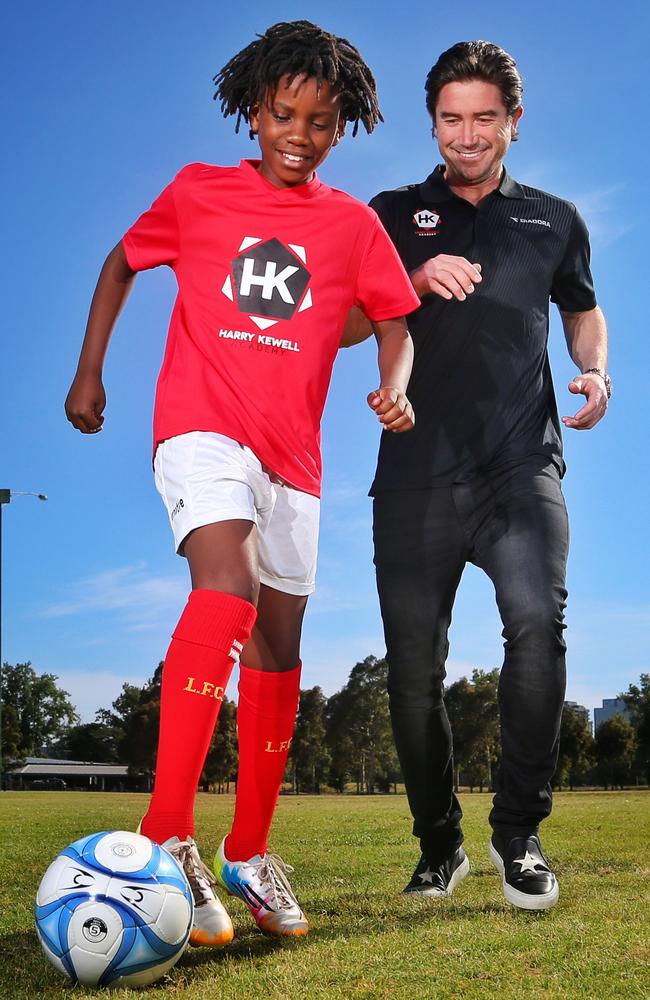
586 337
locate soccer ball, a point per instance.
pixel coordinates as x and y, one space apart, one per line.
114 909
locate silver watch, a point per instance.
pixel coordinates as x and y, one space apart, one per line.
605 377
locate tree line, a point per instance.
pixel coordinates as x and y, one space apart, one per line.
340 742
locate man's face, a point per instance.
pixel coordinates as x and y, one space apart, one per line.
296 126
474 131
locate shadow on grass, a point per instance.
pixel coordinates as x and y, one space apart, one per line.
24 971
249 945
23 961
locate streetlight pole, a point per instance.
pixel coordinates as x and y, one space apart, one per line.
6 496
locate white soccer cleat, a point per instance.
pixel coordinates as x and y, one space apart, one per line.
212 926
262 884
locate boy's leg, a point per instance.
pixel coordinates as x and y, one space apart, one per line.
212 630
269 690
211 633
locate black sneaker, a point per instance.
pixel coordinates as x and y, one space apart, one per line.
440 880
528 882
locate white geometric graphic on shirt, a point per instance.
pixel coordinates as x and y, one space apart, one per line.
299 250
306 302
269 283
249 241
262 322
426 219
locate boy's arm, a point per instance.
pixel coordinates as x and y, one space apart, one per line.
86 399
357 328
395 362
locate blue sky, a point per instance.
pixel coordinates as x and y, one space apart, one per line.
102 105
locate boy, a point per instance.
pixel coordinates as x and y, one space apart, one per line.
268 262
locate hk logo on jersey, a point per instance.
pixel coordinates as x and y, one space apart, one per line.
268 280
426 222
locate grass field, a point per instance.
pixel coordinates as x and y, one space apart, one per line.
352 855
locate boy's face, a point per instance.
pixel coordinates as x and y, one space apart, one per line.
296 126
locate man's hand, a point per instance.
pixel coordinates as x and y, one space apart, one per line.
393 409
85 403
447 276
586 337
593 387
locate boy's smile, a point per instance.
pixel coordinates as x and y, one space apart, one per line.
296 126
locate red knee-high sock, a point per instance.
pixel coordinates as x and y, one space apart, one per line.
266 715
206 642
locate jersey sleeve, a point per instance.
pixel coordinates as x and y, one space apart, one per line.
154 239
573 286
384 289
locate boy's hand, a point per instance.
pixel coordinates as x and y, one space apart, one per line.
85 403
393 409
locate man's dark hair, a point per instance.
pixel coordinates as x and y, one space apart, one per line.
476 61
294 48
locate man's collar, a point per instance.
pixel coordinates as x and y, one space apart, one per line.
509 187
435 187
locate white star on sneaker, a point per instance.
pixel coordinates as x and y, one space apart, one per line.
426 876
527 863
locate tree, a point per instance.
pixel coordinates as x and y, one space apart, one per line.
339 741
37 712
223 756
135 718
92 741
576 754
10 734
359 731
615 750
459 703
139 742
474 718
637 699
309 758
486 707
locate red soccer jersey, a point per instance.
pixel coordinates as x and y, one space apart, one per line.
266 277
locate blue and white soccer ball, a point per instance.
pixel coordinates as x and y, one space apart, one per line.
114 909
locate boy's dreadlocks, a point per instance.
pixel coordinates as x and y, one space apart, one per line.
294 48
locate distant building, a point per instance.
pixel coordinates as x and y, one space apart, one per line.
610 708
579 710
35 773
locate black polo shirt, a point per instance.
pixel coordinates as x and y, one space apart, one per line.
481 384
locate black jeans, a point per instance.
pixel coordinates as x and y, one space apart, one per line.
511 523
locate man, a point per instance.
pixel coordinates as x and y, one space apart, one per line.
478 479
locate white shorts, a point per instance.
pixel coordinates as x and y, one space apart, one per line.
205 477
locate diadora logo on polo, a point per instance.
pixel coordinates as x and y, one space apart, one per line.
426 222
530 222
268 281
